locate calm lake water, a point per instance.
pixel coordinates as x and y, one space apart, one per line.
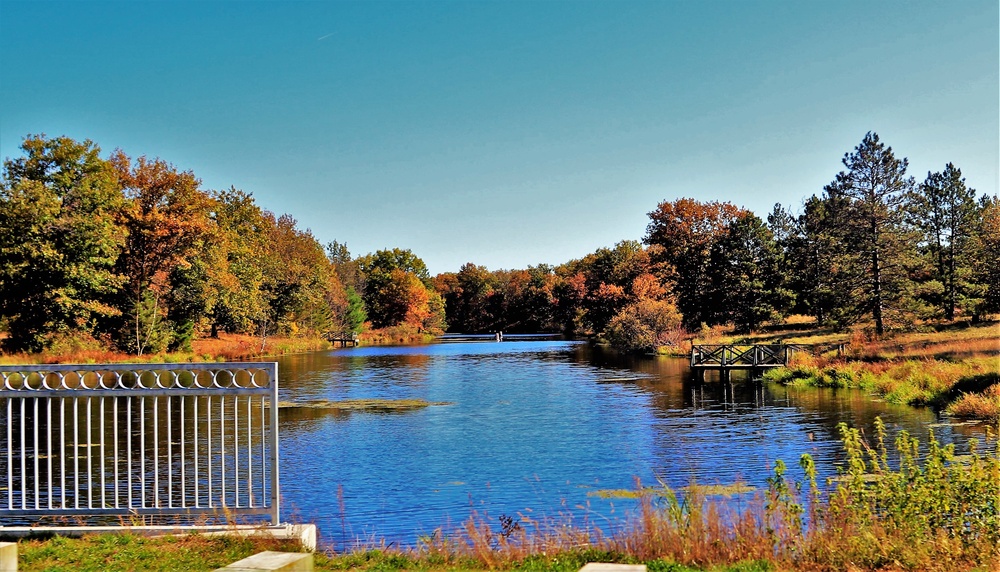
535 429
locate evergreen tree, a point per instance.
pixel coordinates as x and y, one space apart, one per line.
821 274
877 188
354 316
747 281
945 211
987 250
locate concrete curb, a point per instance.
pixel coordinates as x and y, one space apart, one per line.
304 533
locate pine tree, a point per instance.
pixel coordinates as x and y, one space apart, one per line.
747 281
877 188
945 211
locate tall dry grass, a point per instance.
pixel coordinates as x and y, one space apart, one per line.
887 511
227 347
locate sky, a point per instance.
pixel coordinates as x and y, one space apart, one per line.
507 134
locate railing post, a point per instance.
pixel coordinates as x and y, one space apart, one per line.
275 468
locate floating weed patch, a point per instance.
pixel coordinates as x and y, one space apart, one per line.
719 490
376 405
628 493
664 492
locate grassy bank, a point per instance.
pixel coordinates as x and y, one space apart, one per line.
954 367
227 347
887 511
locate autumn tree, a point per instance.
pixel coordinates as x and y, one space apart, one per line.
467 299
535 302
947 215
346 267
397 290
240 302
166 216
610 273
569 291
59 241
305 292
685 230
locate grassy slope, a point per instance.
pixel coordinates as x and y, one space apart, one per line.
955 367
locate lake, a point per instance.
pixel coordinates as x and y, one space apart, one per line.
534 429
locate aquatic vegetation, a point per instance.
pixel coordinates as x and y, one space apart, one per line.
718 490
362 404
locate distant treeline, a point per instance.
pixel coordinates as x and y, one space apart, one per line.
874 246
134 254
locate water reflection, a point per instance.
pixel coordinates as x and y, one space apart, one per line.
536 426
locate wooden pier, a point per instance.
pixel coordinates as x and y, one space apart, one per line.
746 357
344 339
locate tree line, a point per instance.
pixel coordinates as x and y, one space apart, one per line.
134 254
874 246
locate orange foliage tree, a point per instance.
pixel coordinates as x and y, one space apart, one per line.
685 231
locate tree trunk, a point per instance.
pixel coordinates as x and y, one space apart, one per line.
876 284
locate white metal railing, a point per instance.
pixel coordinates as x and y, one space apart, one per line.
150 441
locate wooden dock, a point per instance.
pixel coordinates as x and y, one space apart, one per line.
747 357
344 339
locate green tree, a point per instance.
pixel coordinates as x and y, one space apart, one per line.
59 241
946 212
988 256
747 279
821 274
353 318
877 188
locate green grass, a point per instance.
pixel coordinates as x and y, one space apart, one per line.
128 552
124 552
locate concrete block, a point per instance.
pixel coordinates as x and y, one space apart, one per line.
272 562
304 533
8 557
605 567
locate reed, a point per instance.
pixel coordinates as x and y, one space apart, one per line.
899 510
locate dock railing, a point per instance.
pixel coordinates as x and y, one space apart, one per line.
139 443
739 356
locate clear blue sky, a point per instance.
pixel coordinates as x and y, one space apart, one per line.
507 134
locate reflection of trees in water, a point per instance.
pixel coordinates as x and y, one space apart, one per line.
760 408
331 375
313 416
